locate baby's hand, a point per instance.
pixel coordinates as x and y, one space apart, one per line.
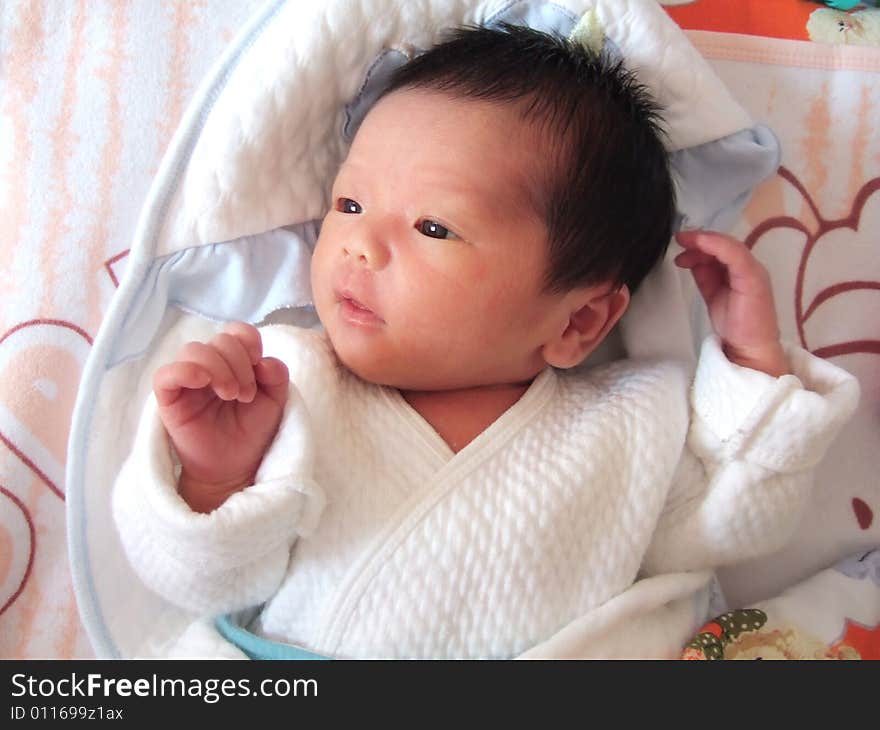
736 288
221 403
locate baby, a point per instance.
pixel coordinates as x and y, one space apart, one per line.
428 476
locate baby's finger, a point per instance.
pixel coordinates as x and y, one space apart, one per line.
273 377
250 338
233 351
223 381
689 259
729 251
744 273
171 379
709 279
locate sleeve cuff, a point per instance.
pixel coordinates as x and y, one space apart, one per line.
282 503
784 424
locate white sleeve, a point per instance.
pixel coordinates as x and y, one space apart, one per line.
746 472
235 556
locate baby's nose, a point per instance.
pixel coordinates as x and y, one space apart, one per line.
367 252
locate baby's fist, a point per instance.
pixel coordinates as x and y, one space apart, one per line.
221 403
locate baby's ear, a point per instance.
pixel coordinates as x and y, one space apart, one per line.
593 312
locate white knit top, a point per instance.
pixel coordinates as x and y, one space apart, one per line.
364 534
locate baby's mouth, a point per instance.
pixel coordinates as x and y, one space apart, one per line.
356 304
356 311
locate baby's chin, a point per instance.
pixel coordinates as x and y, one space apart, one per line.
367 366
391 372
406 376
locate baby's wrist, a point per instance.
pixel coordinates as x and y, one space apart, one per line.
769 358
205 495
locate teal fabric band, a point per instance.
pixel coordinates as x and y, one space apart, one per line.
258 648
849 4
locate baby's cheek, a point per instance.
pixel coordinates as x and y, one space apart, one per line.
507 301
432 286
321 266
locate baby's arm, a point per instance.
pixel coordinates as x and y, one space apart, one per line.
746 473
763 415
234 554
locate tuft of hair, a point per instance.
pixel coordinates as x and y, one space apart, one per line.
608 200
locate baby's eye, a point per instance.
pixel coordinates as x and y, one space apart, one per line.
347 205
433 229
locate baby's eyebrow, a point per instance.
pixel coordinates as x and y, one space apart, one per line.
468 188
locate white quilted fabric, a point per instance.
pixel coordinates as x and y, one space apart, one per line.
546 516
272 142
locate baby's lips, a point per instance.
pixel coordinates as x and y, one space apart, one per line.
358 300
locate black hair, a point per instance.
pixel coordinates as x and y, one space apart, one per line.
609 203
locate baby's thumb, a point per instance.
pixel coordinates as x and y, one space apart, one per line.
273 379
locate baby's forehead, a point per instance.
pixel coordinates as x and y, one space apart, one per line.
464 142
424 110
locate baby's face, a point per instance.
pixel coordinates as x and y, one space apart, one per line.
429 270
